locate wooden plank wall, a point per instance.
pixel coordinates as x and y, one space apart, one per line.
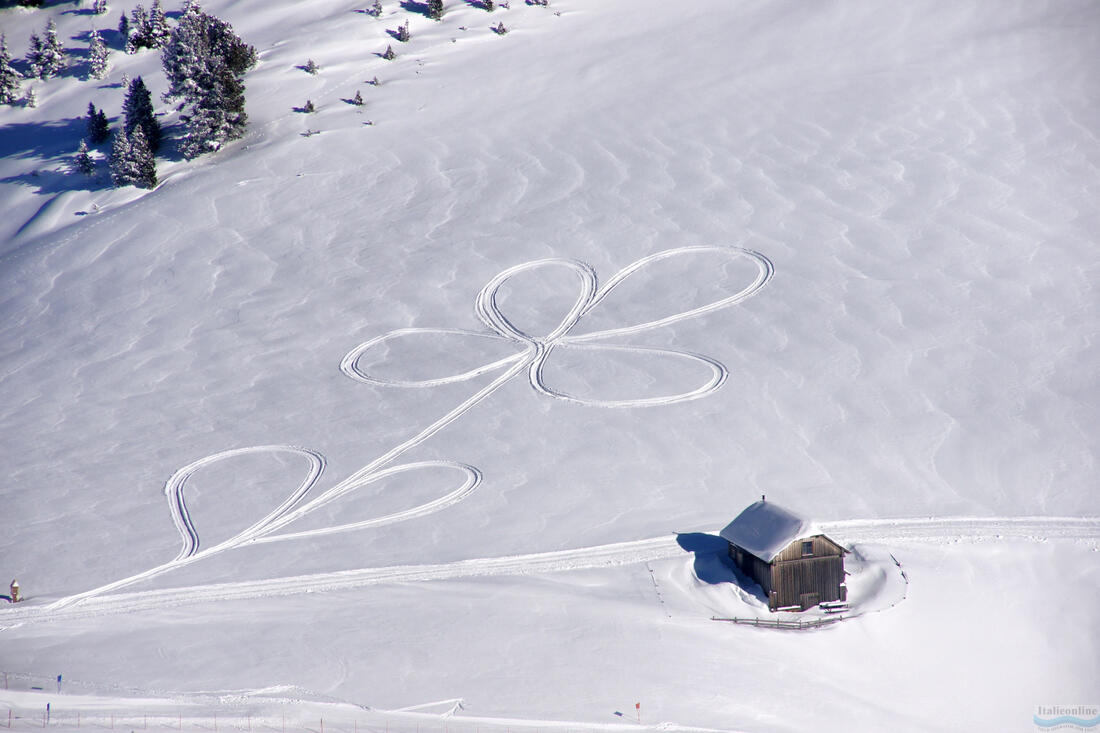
791 575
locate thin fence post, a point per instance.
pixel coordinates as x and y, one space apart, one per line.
112 722
322 725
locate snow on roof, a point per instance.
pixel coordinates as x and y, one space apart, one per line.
764 529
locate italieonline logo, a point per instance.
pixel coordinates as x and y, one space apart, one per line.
1067 717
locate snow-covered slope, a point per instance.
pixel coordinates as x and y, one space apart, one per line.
913 186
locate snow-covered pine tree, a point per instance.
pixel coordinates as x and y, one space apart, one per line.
159 30
311 67
34 55
99 7
143 164
49 55
191 6
138 109
435 9
123 171
357 100
97 55
389 55
309 106
205 62
139 29
82 161
375 9
9 77
30 98
217 117
499 28
403 34
488 5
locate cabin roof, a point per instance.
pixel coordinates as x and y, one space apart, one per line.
764 529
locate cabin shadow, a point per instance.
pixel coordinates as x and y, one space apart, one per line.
712 562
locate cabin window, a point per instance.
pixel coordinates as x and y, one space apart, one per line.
807 548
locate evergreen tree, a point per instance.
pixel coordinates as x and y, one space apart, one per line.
488 5
82 161
52 59
140 29
31 99
389 55
99 129
9 77
123 170
97 55
205 62
99 7
311 67
35 55
124 33
435 9
309 106
375 9
159 31
357 100
142 162
102 127
403 32
138 108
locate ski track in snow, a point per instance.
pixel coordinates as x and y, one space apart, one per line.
600 556
535 351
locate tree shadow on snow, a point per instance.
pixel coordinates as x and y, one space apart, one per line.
48 182
413 6
42 139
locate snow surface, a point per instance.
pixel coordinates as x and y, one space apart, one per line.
578 288
765 529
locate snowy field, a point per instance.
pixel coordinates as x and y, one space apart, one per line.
432 422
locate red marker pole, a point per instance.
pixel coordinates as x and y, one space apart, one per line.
638 707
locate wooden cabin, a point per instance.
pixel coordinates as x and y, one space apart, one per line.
796 566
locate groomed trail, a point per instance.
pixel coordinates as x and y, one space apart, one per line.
600 556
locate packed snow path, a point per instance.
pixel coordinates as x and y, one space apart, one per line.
600 556
533 355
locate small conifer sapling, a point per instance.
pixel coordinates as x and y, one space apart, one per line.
83 160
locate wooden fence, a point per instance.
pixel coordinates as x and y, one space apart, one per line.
778 624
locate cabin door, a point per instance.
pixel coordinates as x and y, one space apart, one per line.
809 600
